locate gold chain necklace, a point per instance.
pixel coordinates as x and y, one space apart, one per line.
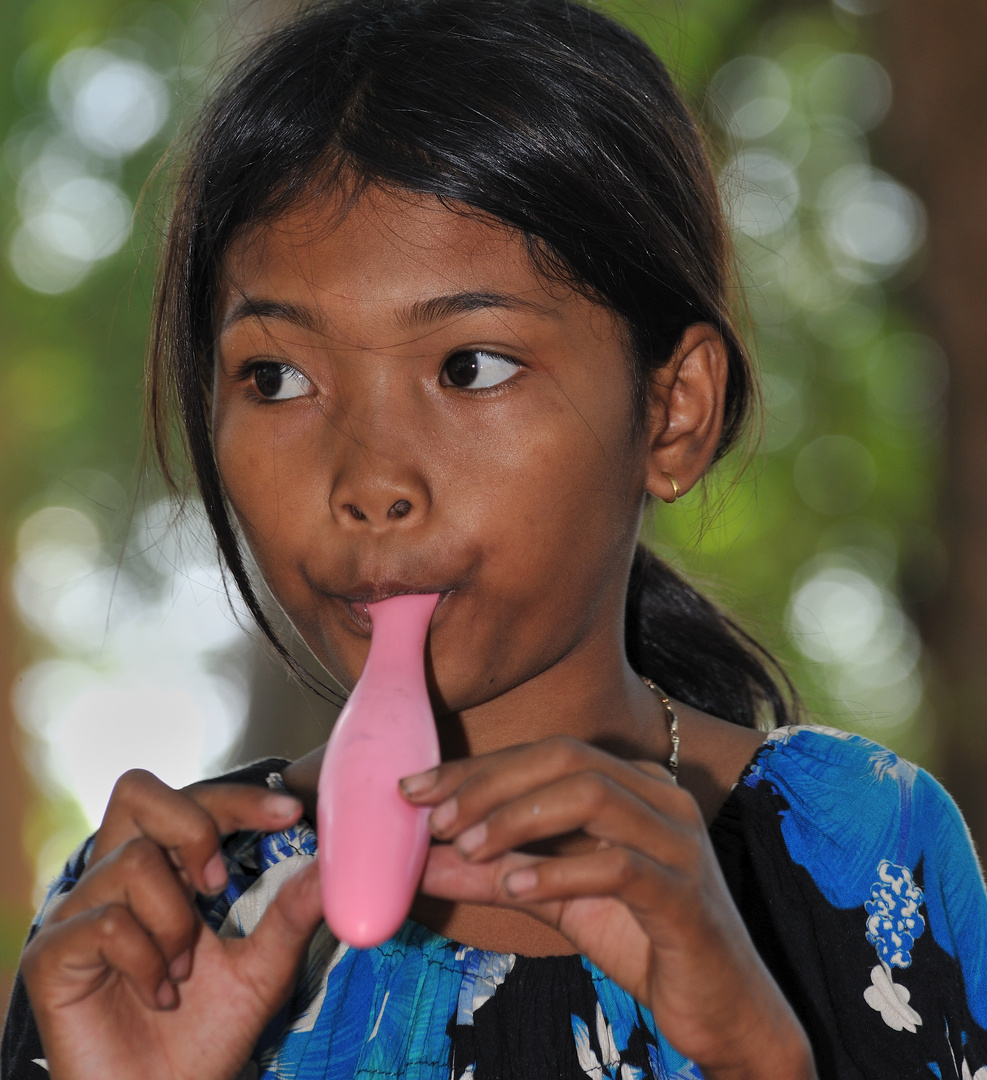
673 727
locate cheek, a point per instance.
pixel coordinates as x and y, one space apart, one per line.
245 467
565 503
592 463
252 461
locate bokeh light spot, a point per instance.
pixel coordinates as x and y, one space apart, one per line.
753 95
114 105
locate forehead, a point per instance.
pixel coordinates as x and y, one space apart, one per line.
385 247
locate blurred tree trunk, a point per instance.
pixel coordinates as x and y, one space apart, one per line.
16 880
938 140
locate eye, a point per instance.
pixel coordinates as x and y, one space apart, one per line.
477 369
278 382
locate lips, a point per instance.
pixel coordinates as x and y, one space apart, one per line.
355 602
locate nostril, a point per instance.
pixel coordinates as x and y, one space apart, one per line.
399 509
356 512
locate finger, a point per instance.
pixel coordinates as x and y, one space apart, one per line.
270 956
678 913
669 906
448 876
500 779
140 877
619 872
70 960
589 802
517 768
245 807
537 884
188 824
530 884
434 785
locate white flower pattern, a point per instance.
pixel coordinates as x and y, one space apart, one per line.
891 1000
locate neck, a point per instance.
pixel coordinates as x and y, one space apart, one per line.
617 713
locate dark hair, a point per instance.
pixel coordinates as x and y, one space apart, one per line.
543 114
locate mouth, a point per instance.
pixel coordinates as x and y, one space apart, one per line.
355 603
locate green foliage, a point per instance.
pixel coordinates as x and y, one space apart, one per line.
840 490
71 369
693 38
72 360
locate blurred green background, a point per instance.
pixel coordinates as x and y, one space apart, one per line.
848 538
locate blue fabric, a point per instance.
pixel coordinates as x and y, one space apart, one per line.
853 870
860 821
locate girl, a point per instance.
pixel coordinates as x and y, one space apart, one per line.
443 303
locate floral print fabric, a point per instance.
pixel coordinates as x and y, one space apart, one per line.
871 908
852 869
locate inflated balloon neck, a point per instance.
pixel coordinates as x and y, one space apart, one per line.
400 626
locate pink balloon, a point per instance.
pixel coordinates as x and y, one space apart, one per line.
372 843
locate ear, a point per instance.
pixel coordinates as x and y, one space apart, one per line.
685 412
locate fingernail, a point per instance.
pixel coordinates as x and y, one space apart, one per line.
472 839
419 783
282 807
214 874
520 882
165 996
444 815
179 968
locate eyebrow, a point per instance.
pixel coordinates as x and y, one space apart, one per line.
249 308
445 307
420 313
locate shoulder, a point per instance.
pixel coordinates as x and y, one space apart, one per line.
811 760
835 777
845 803
256 773
872 830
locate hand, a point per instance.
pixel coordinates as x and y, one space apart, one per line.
647 903
124 977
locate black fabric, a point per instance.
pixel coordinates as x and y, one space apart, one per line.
21 1043
255 774
529 1029
524 1032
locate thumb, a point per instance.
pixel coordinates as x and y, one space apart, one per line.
271 955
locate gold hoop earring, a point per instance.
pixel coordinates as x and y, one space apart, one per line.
675 486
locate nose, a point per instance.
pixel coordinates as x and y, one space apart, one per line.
376 488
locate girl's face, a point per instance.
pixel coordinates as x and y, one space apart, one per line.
402 403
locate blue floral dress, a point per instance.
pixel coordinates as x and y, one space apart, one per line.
854 873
